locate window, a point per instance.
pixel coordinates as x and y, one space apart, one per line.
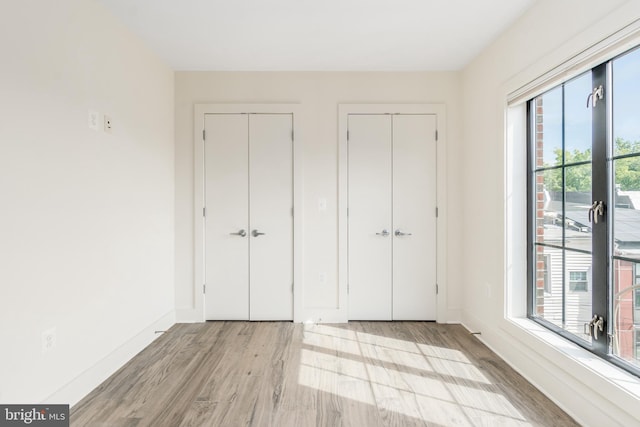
584 209
578 281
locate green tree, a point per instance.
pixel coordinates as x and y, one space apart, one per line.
627 170
578 178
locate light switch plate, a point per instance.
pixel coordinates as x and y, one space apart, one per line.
94 120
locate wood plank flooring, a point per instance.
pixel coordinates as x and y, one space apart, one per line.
284 374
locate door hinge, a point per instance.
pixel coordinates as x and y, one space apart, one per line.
436 212
291 211
204 289
292 135
347 288
347 211
203 134
204 212
437 289
436 134
292 288
347 135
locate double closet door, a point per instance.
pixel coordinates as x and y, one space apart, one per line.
248 217
392 216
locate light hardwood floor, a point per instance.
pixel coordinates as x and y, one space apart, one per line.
284 374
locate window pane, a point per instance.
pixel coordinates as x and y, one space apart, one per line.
626 218
577 304
548 129
625 309
577 120
566 301
577 204
626 93
548 213
549 284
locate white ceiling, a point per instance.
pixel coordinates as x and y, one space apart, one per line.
321 35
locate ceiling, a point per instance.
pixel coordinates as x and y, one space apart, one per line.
322 35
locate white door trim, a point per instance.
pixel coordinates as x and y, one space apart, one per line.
441 188
198 219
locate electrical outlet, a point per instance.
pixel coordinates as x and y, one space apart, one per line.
108 124
49 339
322 278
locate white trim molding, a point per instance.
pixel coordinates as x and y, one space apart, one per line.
617 43
88 380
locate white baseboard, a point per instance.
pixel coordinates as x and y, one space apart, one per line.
192 315
188 315
84 383
454 316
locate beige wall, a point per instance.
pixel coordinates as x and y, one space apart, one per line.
547 35
86 218
318 94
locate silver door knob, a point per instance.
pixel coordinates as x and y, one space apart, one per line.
256 233
384 233
240 233
399 233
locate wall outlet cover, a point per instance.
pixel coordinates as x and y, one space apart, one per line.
49 340
108 124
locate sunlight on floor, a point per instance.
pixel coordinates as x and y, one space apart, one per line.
433 384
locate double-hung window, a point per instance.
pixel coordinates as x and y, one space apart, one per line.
584 209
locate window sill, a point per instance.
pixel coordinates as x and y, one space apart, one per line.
606 379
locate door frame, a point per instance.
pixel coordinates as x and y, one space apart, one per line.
439 111
200 110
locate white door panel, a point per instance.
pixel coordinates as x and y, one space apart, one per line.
271 201
369 187
392 187
248 186
414 205
226 184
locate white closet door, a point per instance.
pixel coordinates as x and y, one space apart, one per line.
369 187
271 201
414 205
226 189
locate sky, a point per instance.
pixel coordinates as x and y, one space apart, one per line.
626 108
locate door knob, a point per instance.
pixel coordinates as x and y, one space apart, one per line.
240 233
399 233
256 233
384 233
